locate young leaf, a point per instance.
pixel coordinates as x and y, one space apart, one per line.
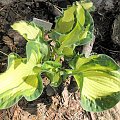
67 20
33 33
68 51
14 59
87 4
78 29
28 30
51 69
44 48
98 78
20 80
33 52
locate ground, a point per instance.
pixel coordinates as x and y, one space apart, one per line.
62 103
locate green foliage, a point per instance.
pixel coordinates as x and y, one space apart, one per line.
97 77
20 79
74 28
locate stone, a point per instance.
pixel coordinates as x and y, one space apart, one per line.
116 31
6 2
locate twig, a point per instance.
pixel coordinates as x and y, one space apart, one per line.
3 53
114 51
55 9
2 8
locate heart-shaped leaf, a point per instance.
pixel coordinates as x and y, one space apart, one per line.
98 78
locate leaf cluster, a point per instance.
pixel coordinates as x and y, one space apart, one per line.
97 77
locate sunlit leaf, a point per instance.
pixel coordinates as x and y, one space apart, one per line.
68 51
87 4
98 78
75 30
51 69
20 80
67 20
32 32
28 30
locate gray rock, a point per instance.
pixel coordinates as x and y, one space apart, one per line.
103 4
116 31
97 3
6 2
109 4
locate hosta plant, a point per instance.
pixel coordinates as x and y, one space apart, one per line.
97 76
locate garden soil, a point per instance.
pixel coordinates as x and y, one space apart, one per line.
62 103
